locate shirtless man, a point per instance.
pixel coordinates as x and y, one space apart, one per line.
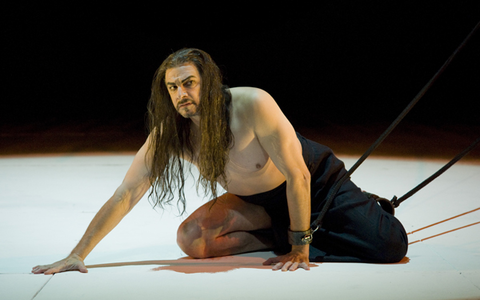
245 143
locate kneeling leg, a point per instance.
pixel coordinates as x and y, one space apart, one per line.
224 227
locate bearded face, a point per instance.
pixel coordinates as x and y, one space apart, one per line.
183 84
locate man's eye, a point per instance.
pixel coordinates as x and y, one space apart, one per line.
172 88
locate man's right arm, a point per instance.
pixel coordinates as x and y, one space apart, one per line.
135 184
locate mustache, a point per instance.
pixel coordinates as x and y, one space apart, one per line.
183 101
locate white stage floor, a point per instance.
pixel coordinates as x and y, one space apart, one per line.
46 203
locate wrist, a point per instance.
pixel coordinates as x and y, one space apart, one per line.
76 256
300 237
301 248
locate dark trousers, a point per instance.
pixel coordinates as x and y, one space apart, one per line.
355 228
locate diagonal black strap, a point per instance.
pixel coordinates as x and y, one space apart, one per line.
396 202
318 222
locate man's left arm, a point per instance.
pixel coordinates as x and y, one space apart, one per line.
277 136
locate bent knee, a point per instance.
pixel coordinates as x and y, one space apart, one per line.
191 240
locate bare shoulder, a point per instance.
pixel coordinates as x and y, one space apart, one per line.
256 108
250 99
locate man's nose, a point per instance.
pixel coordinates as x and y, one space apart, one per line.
181 93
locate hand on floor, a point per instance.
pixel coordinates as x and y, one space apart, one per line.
297 258
72 263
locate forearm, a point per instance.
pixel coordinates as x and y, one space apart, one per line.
104 221
298 198
111 213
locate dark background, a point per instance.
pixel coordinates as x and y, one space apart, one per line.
77 78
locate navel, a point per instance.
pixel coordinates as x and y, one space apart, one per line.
258 166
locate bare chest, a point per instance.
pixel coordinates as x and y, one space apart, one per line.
247 155
250 169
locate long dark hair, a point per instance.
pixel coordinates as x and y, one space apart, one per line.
171 133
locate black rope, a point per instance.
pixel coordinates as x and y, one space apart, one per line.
396 202
318 222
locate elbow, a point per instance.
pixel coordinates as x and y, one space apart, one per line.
122 199
306 176
127 196
300 176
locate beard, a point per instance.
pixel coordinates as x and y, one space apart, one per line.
188 108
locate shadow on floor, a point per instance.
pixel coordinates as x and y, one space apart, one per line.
188 265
